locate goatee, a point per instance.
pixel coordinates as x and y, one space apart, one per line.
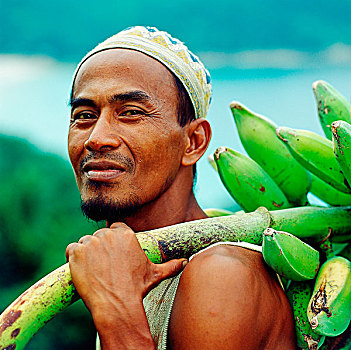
101 208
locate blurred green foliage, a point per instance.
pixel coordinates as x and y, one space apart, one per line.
68 29
39 216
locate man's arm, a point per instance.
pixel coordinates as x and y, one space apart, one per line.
227 299
112 275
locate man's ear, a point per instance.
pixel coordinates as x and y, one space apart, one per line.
199 136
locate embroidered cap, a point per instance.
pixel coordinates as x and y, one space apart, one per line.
170 52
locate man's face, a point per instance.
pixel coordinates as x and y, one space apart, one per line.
124 141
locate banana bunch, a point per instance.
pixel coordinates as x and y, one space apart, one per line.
297 161
283 166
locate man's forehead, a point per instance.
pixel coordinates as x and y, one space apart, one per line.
125 66
126 59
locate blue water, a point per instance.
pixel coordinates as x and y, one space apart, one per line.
33 105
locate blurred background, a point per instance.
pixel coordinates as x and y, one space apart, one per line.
265 54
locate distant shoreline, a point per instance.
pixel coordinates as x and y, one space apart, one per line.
335 56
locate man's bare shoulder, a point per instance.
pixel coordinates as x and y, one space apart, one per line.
228 299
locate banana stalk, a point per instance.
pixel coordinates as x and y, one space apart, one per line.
314 222
36 306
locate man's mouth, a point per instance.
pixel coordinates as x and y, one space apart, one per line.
102 170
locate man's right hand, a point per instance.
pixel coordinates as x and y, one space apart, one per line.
112 275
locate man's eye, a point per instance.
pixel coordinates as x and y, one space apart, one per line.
132 112
83 116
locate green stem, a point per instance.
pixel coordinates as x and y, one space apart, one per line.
316 222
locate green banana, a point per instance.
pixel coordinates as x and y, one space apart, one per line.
339 247
214 212
341 342
288 256
341 238
257 134
212 162
346 252
299 295
329 310
316 154
331 106
342 142
329 194
20 321
249 185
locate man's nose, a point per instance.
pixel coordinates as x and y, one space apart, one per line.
102 138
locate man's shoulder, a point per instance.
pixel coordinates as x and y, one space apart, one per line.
225 254
230 269
228 294
227 265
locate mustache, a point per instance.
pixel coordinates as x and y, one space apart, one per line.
120 159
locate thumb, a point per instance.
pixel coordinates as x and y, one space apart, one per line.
168 269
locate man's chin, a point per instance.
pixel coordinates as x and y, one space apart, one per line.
100 208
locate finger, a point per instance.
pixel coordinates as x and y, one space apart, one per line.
119 225
168 269
70 249
85 239
101 232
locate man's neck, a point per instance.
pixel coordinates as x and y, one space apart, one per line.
151 218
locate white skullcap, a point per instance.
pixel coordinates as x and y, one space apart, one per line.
170 52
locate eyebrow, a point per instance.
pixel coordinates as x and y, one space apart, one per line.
138 96
76 102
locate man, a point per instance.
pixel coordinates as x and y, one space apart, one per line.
137 130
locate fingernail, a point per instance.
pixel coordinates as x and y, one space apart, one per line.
184 263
